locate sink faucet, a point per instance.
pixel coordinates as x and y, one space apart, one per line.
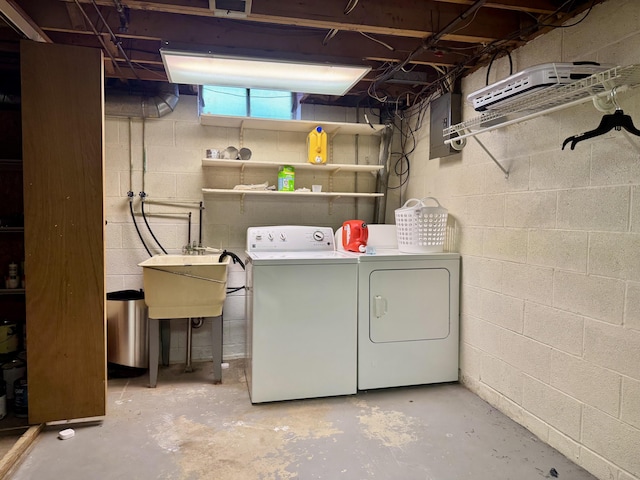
190 249
195 249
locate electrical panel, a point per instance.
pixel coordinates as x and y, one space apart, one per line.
445 111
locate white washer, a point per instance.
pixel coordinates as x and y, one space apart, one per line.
301 311
408 314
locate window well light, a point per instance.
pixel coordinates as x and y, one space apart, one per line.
193 68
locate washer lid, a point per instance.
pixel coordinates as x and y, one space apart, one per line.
301 258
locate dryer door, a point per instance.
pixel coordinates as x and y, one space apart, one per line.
406 305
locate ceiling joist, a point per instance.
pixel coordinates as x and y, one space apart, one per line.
414 47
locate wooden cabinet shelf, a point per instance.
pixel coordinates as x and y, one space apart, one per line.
12 291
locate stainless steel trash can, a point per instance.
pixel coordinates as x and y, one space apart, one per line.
127 329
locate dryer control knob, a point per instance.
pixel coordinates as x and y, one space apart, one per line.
318 236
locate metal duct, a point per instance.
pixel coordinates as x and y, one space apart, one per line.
143 106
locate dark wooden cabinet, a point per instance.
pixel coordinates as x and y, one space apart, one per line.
63 182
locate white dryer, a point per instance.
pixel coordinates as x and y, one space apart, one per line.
408 314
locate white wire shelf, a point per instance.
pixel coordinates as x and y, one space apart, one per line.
595 87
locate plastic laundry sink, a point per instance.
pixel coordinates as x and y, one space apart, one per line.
184 286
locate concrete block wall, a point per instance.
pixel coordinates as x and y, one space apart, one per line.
174 177
550 315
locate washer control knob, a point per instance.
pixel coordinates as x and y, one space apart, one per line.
318 236
270 236
283 236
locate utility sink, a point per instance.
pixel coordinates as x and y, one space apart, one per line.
184 286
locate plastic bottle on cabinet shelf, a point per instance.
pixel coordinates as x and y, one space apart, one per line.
317 146
20 398
12 280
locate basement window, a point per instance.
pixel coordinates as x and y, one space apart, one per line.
246 102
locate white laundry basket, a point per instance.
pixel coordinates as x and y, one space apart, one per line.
421 229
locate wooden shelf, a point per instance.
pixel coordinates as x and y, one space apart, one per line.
275 193
327 167
12 291
332 128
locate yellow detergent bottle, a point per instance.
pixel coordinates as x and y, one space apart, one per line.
317 145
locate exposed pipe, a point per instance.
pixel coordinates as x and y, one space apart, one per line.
130 158
115 40
162 102
383 175
429 42
355 180
188 368
123 12
99 37
200 225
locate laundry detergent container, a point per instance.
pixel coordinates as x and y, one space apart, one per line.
127 329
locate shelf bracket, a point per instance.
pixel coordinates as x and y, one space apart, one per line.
242 174
241 139
504 170
331 200
331 179
242 203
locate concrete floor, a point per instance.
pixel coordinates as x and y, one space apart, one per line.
188 429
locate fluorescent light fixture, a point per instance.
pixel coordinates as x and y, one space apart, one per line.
193 68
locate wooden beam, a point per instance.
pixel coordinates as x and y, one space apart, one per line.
271 41
75 17
543 7
413 19
17 17
15 455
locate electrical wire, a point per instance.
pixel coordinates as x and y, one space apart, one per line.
350 6
593 2
386 45
454 72
330 34
493 58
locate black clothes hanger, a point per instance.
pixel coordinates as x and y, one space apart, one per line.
617 120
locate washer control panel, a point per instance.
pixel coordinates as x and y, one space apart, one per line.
290 238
